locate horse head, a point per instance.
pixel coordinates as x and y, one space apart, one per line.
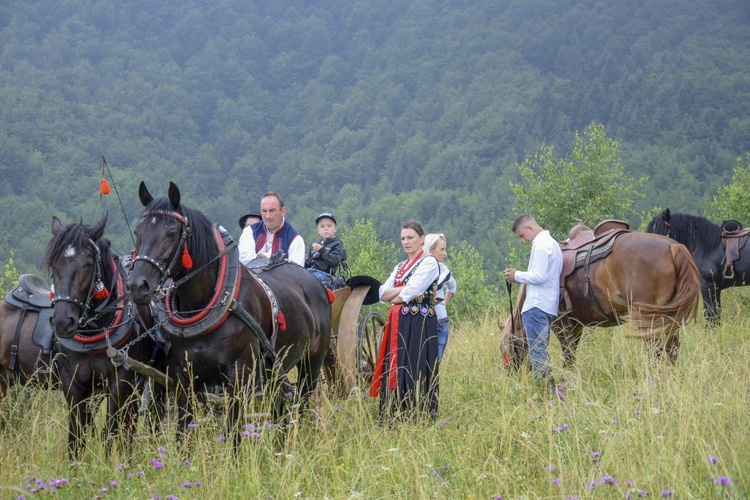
513 338
77 258
661 224
171 239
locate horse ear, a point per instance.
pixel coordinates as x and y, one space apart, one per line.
144 195
667 213
97 230
174 195
56 225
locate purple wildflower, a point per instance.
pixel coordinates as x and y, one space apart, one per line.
596 455
158 464
642 493
498 497
21 497
615 421
192 425
556 481
638 412
130 475
591 484
197 484
712 459
222 437
608 480
186 484
186 463
104 490
113 483
161 449
588 405
638 398
723 480
249 427
120 468
666 493
550 468
139 473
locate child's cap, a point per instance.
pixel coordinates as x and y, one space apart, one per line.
324 215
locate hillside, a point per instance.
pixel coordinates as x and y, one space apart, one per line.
382 109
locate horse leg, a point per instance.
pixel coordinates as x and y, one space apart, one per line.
711 303
80 418
121 412
569 338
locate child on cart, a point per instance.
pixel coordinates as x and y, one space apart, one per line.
327 255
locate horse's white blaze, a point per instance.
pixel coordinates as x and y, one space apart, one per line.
69 252
153 220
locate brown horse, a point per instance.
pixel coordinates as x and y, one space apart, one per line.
647 279
226 326
26 343
90 314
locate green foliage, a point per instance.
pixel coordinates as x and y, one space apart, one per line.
366 254
476 295
9 277
733 200
591 184
370 108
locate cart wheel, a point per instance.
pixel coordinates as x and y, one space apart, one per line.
368 337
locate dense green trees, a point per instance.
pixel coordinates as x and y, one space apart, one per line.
379 109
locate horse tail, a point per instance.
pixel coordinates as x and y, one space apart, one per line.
684 305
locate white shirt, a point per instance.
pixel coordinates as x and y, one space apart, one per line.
449 286
426 272
246 247
542 278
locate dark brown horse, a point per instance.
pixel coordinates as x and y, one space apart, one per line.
647 279
90 314
26 341
704 240
226 325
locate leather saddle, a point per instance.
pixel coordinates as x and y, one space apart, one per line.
32 294
733 239
585 246
258 266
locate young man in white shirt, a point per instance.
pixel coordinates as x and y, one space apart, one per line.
542 280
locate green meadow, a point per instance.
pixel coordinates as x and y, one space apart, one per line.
630 427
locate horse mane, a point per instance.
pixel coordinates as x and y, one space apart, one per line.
201 242
77 236
697 233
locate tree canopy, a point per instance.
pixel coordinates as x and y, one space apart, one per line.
381 109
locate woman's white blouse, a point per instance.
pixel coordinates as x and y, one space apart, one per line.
425 274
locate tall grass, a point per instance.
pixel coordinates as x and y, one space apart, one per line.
629 426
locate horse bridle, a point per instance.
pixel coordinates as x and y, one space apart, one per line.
164 272
96 282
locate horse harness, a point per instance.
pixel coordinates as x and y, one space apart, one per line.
584 247
224 300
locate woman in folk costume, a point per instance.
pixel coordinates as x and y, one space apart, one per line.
406 373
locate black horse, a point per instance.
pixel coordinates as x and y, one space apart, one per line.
704 240
226 326
91 314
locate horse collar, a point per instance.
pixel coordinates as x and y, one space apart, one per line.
212 315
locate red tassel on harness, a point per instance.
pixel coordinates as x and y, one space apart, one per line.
506 361
331 296
100 291
51 294
187 260
282 321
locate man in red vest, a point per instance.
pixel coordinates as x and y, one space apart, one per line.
272 234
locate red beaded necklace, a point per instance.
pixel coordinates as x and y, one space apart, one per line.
408 264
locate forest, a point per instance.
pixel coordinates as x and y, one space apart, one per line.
377 110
